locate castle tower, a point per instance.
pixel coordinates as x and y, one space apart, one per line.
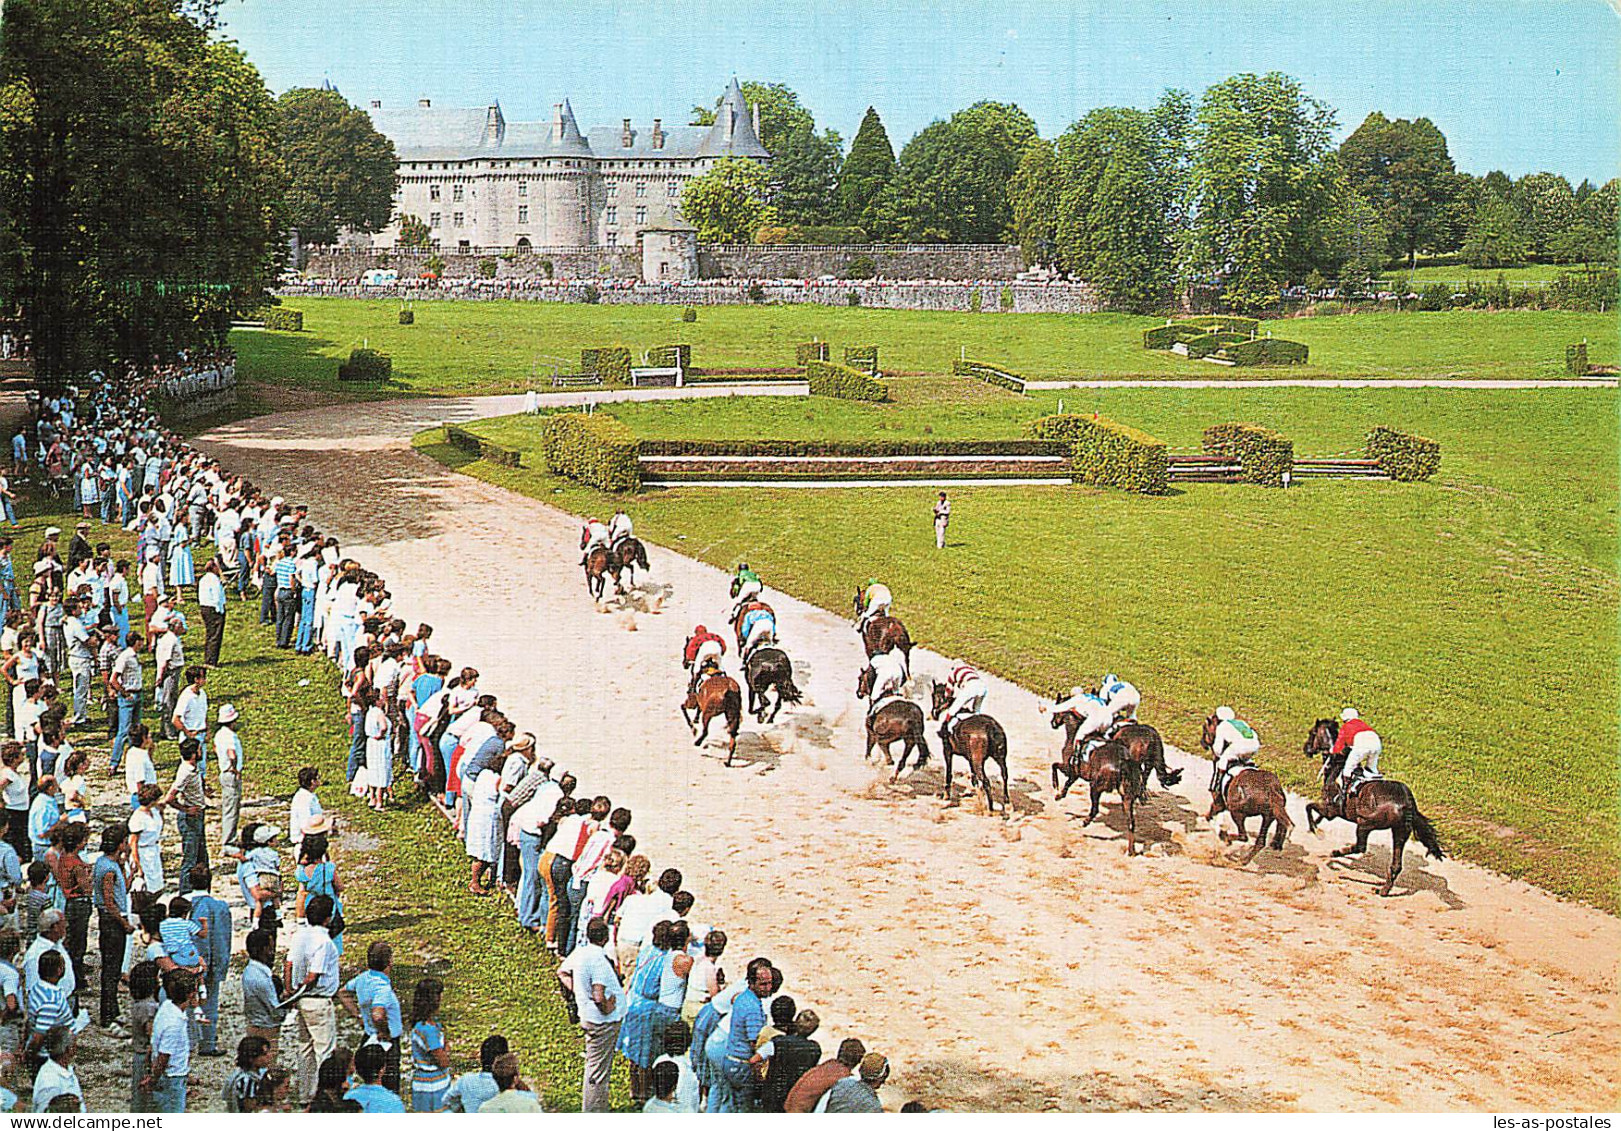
735 132
567 181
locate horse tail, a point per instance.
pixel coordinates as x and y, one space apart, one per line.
1167 777
1420 826
641 556
732 707
788 689
1135 778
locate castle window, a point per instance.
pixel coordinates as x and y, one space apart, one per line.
433 219
613 214
456 219
613 189
613 239
455 192
641 188
641 214
523 214
672 187
523 188
433 192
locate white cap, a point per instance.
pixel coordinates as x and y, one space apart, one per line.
1077 692
264 834
1348 714
1225 714
228 714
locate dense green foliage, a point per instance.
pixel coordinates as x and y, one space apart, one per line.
141 193
1499 572
1264 456
1266 351
999 376
480 447
804 165
1403 168
478 347
611 363
366 365
1576 359
670 357
414 231
408 316
806 352
866 171
340 169
830 380
1403 456
727 204
1495 237
593 448
951 181
864 358
843 447
1107 453
281 318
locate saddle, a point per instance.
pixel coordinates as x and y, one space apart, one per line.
882 702
1232 772
1353 787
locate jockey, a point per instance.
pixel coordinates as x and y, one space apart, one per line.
748 588
759 628
1093 711
704 649
968 691
875 602
1120 697
595 534
618 528
1361 746
1235 742
888 677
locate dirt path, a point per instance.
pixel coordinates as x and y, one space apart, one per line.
1020 966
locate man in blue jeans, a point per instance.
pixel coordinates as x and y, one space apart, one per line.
189 795
216 952
124 682
285 573
165 1079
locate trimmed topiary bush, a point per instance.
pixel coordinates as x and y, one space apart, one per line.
1576 360
479 446
1186 329
835 448
1106 453
593 448
1263 454
366 365
666 357
408 317
862 357
990 374
829 380
1265 351
280 318
1206 344
689 314
611 363
806 352
1402 455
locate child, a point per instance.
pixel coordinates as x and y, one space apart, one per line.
180 933
677 1046
245 1091
37 899
430 1056
273 1093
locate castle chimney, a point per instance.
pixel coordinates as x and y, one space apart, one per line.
624 134
557 119
658 133
756 119
424 103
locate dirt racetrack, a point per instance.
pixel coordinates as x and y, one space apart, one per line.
1025 965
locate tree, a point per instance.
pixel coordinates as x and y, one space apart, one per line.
728 203
341 170
804 163
414 231
1403 168
952 178
1258 185
1495 237
1547 208
1033 196
867 169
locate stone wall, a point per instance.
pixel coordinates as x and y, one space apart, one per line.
715 261
1022 298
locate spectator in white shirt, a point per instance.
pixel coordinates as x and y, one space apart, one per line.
312 965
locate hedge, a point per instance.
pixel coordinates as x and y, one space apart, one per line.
594 448
699 377
280 318
611 363
366 365
1266 351
864 358
689 314
990 374
836 448
829 380
806 352
1206 344
1264 455
670 357
407 317
1576 360
1403 456
479 446
1186 329
1106 453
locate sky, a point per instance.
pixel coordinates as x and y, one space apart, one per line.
1520 85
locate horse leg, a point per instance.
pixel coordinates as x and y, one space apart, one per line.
1243 836
777 709
686 716
1095 795
1314 816
704 732
1398 846
1131 822
1359 847
1260 838
1005 800
946 753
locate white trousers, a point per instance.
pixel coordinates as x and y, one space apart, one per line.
1365 749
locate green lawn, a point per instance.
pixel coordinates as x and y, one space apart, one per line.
466 347
404 871
1460 273
1472 618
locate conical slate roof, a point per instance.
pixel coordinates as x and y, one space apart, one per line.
733 132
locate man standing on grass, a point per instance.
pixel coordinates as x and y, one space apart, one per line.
215 915
191 713
170 655
211 600
81 657
312 966
228 751
942 518
600 1000
124 684
188 795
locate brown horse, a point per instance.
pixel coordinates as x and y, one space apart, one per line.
1249 792
1376 805
978 738
628 553
1144 746
897 721
717 694
1106 769
737 621
885 634
598 567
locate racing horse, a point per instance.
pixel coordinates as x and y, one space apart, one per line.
899 720
1105 768
627 553
742 615
717 694
1144 745
1248 791
886 634
1375 805
769 669
599 566
978 738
